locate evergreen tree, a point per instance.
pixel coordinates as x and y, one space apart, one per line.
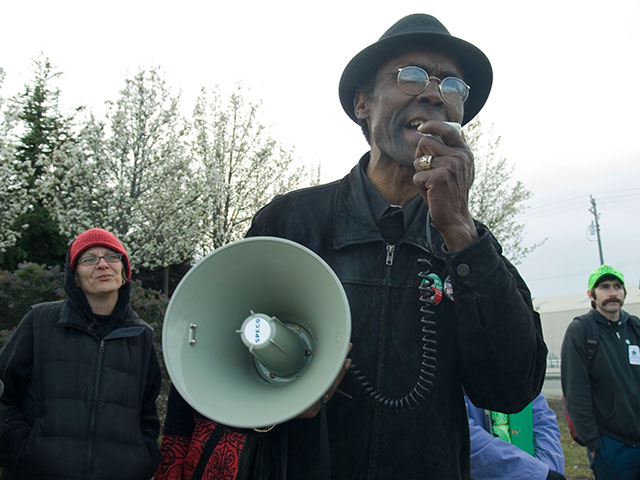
44 130
14 192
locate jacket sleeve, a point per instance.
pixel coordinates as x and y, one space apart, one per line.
16 363
502 352
546 435
576 384
149 421
178 428
493 459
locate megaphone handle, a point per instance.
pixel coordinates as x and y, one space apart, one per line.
429 346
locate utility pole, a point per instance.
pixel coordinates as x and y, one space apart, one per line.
594 211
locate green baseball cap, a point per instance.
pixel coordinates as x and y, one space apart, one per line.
603 271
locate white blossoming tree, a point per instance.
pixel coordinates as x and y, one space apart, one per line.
132 175
241 166
496 199
170 189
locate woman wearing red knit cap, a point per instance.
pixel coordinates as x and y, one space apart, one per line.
81 377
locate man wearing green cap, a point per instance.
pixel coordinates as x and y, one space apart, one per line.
601 378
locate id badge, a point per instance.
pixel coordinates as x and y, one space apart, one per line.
634 355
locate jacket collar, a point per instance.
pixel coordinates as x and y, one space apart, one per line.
72 316
353 221
624 317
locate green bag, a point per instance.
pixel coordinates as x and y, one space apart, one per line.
515 428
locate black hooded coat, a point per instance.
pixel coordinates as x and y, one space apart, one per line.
80 392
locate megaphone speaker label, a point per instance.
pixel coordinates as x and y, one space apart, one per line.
257 331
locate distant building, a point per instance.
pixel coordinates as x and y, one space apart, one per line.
557 312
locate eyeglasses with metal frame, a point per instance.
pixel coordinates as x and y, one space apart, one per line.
414 80
90 260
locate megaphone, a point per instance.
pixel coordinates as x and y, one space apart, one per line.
256 332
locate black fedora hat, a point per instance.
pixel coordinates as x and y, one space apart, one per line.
419 30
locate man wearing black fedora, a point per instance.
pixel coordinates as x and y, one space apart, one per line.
435 306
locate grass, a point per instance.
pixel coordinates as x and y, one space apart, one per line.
576 465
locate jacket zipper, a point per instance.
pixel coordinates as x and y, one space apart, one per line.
616 329
92 421
374 440
390 252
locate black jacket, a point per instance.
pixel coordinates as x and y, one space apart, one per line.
489 341
602 395
78 404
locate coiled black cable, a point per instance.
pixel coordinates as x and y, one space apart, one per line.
427 374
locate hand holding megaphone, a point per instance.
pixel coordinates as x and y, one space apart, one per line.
316 407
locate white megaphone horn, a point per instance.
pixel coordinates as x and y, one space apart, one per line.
256 332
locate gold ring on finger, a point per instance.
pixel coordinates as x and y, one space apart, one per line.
425 162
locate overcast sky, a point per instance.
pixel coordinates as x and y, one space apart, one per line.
564 99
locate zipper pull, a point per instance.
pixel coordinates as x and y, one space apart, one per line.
390 251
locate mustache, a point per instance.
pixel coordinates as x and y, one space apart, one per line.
611 300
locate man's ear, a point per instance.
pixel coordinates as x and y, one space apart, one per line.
590 295
361 105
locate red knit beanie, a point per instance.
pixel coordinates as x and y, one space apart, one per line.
97 237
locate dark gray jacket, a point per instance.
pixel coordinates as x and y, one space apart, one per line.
602 395
78 405
488 341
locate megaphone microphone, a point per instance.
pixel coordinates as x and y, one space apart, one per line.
280 351
256 332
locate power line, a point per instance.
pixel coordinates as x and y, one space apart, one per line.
563 206
580 199
576 200
620 199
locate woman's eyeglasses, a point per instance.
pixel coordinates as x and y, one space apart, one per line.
95 259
